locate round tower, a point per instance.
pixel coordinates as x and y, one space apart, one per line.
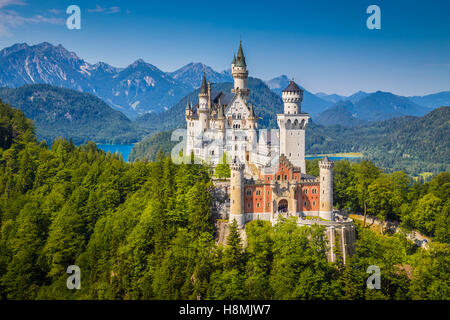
237 193
203 103
240 73
292 98
326 188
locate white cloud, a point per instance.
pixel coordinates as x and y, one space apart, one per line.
108 10
10 19
55 11
4 3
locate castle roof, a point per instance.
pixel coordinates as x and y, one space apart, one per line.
240 61
204 87
187 104
292 87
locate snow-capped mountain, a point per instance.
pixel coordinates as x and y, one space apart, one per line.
135 90
191 74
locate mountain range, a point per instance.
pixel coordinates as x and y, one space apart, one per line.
137 89
142 88
373 107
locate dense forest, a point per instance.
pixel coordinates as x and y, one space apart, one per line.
144 230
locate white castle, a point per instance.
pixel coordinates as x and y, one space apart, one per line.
224 122
268 175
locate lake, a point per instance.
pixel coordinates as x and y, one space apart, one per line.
123 149
332 158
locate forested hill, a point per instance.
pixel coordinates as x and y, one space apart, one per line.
413 144
267 105
67 113
13 124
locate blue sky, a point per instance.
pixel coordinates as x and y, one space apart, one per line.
324 45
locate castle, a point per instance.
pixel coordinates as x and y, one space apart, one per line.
268 175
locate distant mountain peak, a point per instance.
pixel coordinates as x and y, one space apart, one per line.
191 74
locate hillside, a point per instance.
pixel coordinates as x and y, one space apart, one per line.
149 147
432 101
66 113
414 144
341 113
13 124
372 107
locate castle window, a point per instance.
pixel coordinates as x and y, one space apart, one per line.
314 203
306 191
285 177
278 177
268 193
257 204
249 192
304 203
258 192
249 205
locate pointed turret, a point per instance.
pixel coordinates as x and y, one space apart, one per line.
188 107
234 60
204 87
203 105
240 61
240 74
221 113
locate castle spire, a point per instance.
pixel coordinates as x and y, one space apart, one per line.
221 113
187 104
240 61
204 87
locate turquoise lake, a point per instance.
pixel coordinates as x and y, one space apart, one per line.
123 149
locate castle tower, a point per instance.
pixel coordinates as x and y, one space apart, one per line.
221 121
188 109
326 188
203 105
292 124
240 74
237 193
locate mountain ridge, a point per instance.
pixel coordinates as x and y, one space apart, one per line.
60 112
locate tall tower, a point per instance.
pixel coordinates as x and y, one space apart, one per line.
240 74
292 124
237 193
326 188
221 122
203 105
